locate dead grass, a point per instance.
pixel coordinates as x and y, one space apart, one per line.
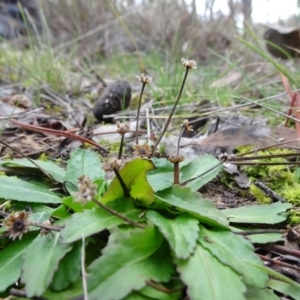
99 27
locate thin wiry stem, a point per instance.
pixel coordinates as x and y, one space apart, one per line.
176 172
179 139
173 110
207 171
121 147
122 183
83 272
138 113
118 215
47 226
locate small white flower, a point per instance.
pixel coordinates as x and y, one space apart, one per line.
189 63
144 79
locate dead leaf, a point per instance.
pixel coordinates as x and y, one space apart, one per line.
18 100
230 79
250 135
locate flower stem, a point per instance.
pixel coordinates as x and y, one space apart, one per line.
176 172
118 215
121 147
138 114
173 110
179 139
122 183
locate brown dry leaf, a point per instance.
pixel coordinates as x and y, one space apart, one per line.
250 135
18 100
25 144
230 79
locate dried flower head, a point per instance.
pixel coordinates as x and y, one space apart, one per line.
176 159
122 128
189 63
142 150
17 224
113 165
144 79
187 125
86 190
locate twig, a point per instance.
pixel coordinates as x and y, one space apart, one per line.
270 193
47 226
278 262
22 294
59 133
239 158
282 249
253 163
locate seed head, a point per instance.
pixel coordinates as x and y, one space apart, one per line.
189 63
142 151
86 190
176 159
17 224
113 164
122 128
187 125
144 79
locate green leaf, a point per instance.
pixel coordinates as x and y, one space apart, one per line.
181 232
70 202
54 170
207 278
61 212
137 296
159 295
17 189
163 176
39 217
260 214
199 166
285 288
83 162
11 260
130 259
69 269
134 177
34 207
254 293
236 252
92 221
185 200
71 292
41 261
265 238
